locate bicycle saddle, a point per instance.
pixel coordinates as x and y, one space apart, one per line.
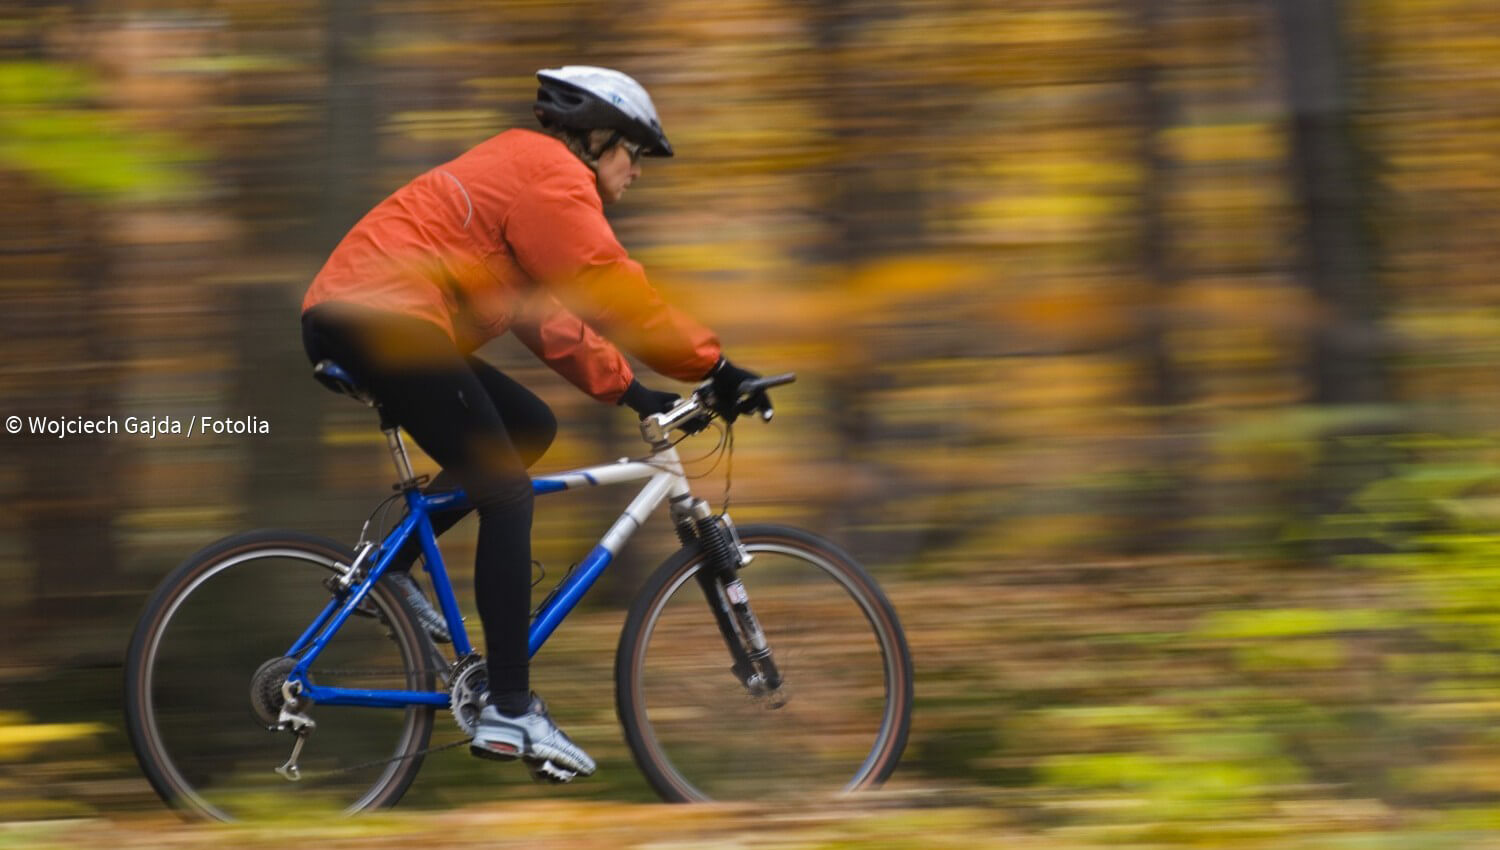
333 376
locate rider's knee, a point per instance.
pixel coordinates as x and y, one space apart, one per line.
500 493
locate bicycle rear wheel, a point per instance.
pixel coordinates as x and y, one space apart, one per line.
693 727
200 654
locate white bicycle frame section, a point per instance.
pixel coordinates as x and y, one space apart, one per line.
667 481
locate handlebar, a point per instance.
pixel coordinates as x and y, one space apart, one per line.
769 381
698 408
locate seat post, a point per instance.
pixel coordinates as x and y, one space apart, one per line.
400 457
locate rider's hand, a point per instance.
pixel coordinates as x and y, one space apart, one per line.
646 401
727 378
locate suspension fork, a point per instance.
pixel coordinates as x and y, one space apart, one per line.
753 662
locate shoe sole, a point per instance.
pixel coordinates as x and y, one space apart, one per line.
497 751
542 770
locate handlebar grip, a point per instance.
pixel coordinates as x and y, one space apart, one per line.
769 381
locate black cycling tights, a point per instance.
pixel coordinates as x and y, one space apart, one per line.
483 428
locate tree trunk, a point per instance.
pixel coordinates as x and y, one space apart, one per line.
1163 506
353 125
1328 174
1345 353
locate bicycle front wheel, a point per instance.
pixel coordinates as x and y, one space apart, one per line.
203 683
837 723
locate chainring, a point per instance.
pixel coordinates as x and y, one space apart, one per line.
266 698
469 692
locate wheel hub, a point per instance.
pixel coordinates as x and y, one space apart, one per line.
764 694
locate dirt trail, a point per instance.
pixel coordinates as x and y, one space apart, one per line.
547 824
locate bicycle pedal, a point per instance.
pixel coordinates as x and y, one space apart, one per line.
546 771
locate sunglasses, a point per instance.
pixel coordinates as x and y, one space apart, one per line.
631 148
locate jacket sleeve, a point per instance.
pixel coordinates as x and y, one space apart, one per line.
556 230
572 348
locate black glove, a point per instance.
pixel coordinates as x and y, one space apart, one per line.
727 378
646 402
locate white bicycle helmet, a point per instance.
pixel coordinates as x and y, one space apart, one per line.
585 97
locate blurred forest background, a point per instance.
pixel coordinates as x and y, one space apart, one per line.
1149 352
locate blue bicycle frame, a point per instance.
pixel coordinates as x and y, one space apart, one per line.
666 480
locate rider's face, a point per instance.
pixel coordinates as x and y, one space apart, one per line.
617 169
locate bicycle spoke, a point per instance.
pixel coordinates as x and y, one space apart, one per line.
832 727
205 732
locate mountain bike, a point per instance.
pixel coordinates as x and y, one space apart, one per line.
756 662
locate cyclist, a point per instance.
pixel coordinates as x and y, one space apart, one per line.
511 235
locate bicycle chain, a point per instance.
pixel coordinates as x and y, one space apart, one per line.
377 762
336 673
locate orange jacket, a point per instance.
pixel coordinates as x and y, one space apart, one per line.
512 236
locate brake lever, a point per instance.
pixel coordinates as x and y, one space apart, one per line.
760 385
765 411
